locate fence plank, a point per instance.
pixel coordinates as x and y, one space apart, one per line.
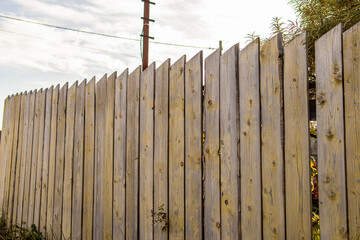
78 162
211 123
229 139
330 119
351 53
119 156
25 209
46 156
176 150
5 149
193 147
52 158
89 158
250 141
132 154
39 160
146 152
34 158
272 139
297 152
68 162
59 162
22 153
100 138
161 133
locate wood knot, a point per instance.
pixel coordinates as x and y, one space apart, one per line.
321 99
329 133
226 202
218 225
210 102
181 164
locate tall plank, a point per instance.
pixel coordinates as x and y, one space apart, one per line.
38 183
109 156
5 147
29 148
297 152
351 53
212 221
119 156
193 147
330 119
89 157
78 162
52 158
68 162
100 138
46 157
161 133
132 154
25 123
229 139
146 149
271 85
176 150
59 163
250 142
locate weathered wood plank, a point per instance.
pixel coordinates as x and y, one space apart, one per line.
229 139
193 147
161 133
5 147
177 150
78 162
34 158
109 156
39 160
52 159
100 142
46 156
119 157
330 120
30 132
212 221
68 162
250 141
146 152
89 157
271 81
132 154
297 152
351 53
59 162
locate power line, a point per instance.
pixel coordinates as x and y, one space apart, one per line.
101 34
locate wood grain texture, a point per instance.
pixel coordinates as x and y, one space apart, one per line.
39 160
177 150
28 157
271 84
193 147
100 142
250 141
68 162
89 157
78 163
229 139
46 156
331 150
297 152
132 155
52 158
119 157
351 53
5 141
59 163
212 223
161 134
146 152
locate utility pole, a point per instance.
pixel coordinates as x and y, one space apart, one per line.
145 35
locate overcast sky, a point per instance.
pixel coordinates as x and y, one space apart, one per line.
34 56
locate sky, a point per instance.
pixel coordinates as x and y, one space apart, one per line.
35 56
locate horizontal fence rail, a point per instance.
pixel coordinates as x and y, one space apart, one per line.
213 149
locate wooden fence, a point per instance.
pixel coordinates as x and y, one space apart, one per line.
162 154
